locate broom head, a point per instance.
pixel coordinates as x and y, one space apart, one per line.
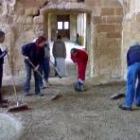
16 108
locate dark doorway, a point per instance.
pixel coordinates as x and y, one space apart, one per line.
63 26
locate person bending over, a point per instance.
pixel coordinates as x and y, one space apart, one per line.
33 54
133 77
80 57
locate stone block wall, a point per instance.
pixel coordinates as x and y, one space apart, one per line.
21 21
107 50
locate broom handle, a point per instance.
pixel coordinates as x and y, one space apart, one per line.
13 81
35 67
55 69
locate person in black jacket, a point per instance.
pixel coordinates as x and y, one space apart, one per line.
2 55
34 53
133 75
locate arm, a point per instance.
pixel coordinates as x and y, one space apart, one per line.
64 50
47 52
128 58
25 50
4 53
53 51
73 58
41 57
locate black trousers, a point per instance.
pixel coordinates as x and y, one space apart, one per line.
1 76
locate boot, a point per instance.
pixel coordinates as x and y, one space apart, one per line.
79 87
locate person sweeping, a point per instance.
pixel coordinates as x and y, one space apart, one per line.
34 58
3 53
133 75
80 57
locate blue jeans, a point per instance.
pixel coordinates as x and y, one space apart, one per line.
133 92
29 69
45 69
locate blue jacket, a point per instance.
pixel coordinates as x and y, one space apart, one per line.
133 55
35 56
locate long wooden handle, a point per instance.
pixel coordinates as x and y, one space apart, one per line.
35 67
13 81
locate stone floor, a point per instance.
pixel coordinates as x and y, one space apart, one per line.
90 115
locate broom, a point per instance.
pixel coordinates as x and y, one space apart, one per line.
18 106
118 95
55 68
55 97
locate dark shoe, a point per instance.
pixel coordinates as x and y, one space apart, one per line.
123 107
43 87
39 94
79 87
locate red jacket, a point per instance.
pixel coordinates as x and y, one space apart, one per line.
81 59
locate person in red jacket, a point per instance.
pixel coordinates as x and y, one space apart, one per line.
80 57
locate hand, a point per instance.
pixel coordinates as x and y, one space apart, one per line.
5 51
26 57
36 68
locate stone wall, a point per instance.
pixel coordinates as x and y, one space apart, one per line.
131 28
107 50
20 20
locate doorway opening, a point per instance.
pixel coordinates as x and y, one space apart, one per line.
74 28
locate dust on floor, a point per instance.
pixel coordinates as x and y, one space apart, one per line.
89 115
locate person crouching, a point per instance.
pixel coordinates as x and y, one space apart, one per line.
34 55
80 57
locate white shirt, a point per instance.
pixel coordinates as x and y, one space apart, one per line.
2 47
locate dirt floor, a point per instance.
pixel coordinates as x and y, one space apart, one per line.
89 115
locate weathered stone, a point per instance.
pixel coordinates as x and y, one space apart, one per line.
105 25
107 11
119 11
106 28
39 20
114 19
114 35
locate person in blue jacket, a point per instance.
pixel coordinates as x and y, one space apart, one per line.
2 55
133 77
34 53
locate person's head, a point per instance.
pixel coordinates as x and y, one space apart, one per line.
134 43
41 41
39 32
59 37
2 36
73 51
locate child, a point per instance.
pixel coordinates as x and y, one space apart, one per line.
80 57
